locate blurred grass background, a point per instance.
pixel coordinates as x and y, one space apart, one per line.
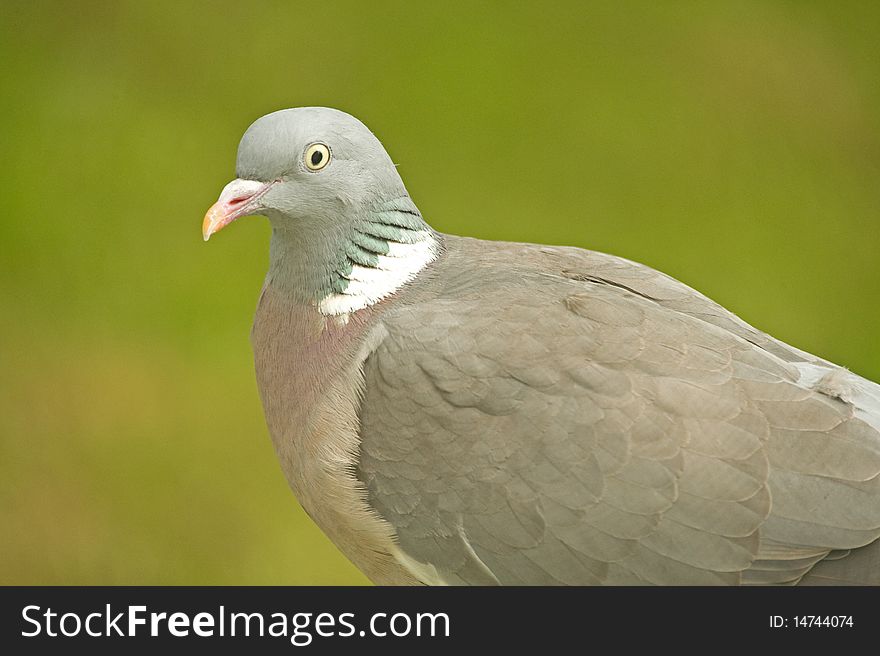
734 145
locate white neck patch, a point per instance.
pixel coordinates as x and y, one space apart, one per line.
369 285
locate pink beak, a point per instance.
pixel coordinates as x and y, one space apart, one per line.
238 198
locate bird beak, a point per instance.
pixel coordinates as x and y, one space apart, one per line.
238 198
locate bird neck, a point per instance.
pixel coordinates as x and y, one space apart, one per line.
349 265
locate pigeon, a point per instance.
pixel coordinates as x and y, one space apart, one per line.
454 411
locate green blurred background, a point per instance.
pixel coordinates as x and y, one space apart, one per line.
734 145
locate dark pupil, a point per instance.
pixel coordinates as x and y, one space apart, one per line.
317 156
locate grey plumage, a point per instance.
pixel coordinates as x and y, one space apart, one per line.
521 414
581 426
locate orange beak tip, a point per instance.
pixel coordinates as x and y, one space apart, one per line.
213 221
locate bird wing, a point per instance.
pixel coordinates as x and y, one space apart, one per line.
562 417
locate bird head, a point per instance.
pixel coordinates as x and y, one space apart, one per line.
305 166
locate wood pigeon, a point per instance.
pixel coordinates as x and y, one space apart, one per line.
458 411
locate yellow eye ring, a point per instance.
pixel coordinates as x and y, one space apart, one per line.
317 156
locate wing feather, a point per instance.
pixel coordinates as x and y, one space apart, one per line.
598 422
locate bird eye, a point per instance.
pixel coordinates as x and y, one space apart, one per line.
317 157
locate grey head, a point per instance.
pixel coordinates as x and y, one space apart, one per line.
327 162
336 204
